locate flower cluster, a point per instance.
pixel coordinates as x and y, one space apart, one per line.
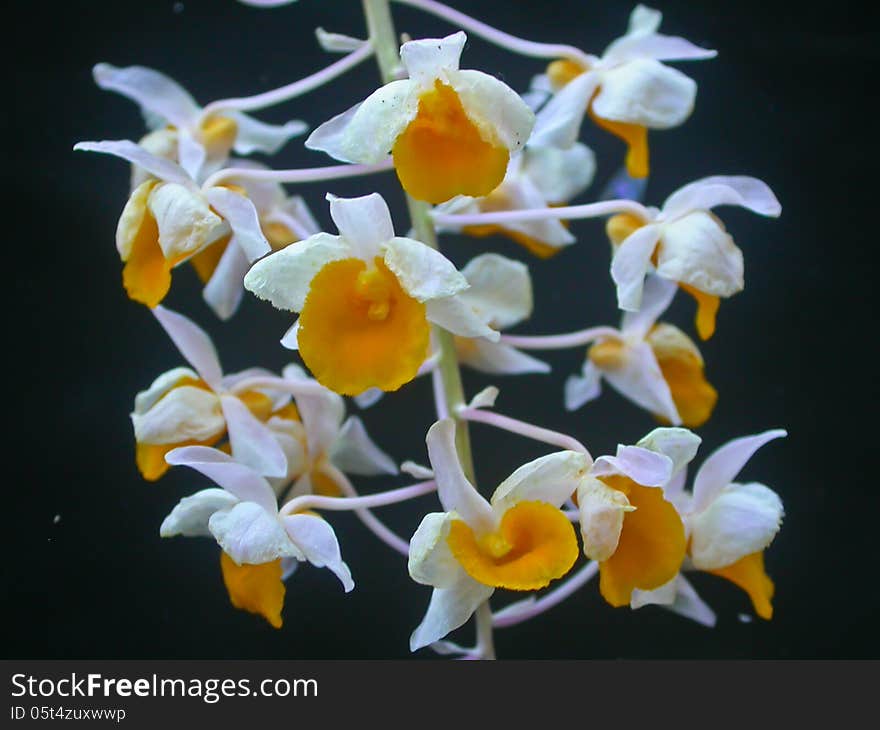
378 304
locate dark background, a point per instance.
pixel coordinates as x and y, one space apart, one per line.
788 100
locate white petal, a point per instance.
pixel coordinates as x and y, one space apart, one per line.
656 46
601 517
743 519
191 153
168 380
252 441
431 561
369 398
630 264
337 42
688 604
645 92
290 337
132 218
161 168
367 133
456 493
225 288
416 470
252 135
457 316
291 436
431 58
193 343
234 477
317 540
641 380
242 217
746 192
558 124
284 277
496 358
657 295
559 174
355 453
552 479
644 467
190 516
500 290
364 223
493 105
581 389
722 466
449 608
321 411
485 398
662 596
423 272
679 444
186 413
186 222
643 20
152 90
250 535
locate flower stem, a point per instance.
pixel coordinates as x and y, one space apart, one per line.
568 212
341 504
302 175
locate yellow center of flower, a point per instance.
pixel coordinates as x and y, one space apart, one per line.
359 329
255 588
748 573
621 226
146 275
534 544
442 153
693 395
218 135
707 310
608 355
278 235
563 71
651 546
205 261
635 136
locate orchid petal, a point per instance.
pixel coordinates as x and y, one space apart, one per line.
252 441
317 540
244 220
354 452
193 343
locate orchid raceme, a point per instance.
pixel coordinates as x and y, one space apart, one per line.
539 177
626 91
365 298
520 540
627 522
655 365
242 515
684 242
729 526
200 143
451 132
168 219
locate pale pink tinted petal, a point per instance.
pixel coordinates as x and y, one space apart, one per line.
354 452
241 215
193 343
151 89
747 192
631 263
224 290
253 442
317 540
126 149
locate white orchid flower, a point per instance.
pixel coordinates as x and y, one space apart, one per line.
365 299
685 243
243 518
656 366
729 525
520 540
537 178
181 131
628 523
201 406
451 132
169 219
626 91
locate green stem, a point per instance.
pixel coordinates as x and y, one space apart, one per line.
384 38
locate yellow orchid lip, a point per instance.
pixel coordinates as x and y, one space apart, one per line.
255 588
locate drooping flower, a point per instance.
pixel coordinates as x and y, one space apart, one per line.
537 178
685 243
626 92
729 526
168 219
202 406
181 131
627 522
520 540
656 366
243 518
365 298
451 132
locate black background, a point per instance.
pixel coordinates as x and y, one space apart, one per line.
788 100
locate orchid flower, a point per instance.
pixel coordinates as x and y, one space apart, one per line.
168 219
182 132
519 540
685 243
537 178
626 91
365 298
451 132
656 366
243 517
